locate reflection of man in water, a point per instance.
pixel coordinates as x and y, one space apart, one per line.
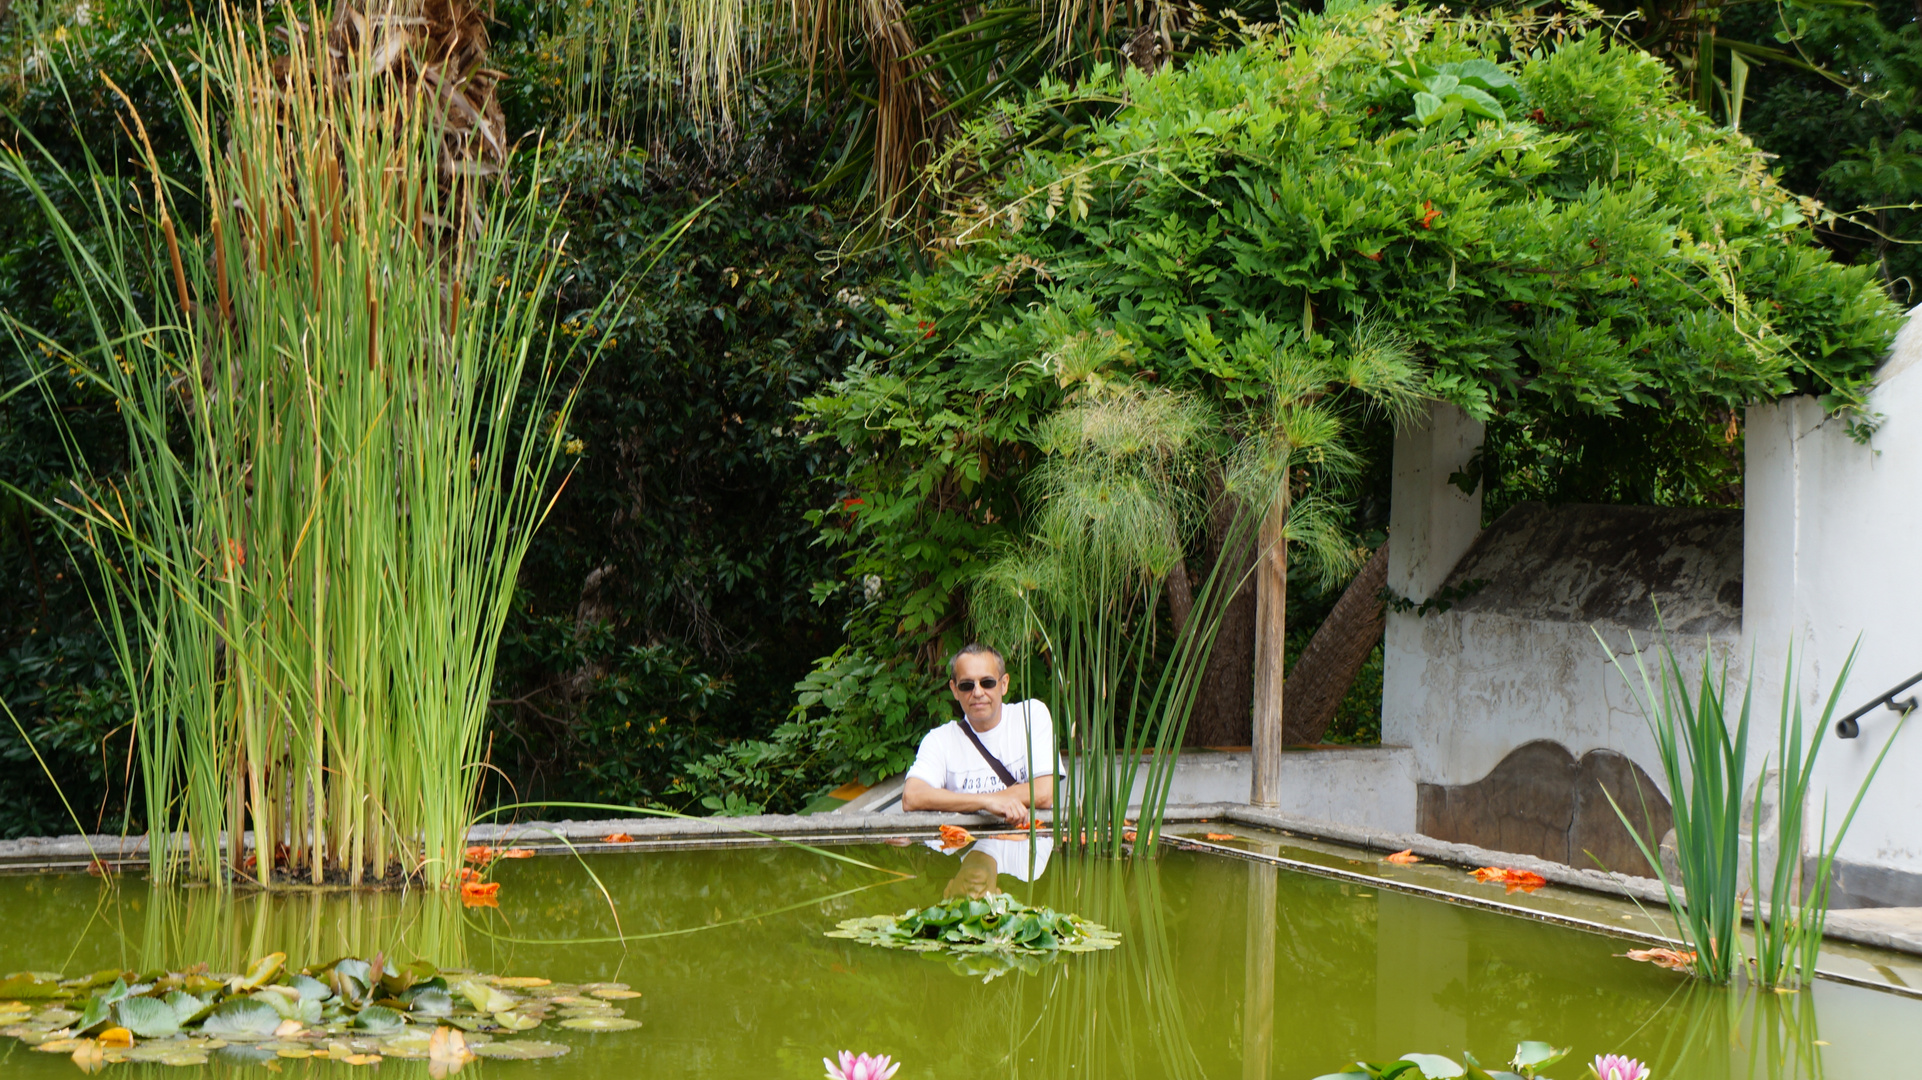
989 772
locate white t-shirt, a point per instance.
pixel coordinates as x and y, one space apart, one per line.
947 759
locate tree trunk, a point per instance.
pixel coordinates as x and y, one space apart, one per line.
1220 716
1271 650
1327 668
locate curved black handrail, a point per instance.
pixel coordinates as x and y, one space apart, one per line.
1847 728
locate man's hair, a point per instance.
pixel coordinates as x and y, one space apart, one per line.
975 648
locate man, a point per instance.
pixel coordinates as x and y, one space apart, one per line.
988 772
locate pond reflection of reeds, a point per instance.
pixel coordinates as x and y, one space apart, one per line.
228 930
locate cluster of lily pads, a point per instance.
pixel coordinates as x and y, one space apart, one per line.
351 1010
1530 1058
980 925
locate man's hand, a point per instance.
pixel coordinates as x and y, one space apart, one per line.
1007 804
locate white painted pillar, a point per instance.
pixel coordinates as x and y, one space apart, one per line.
1830 532
1431 524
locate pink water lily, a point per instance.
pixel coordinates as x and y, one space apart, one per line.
867 1067
1617 1067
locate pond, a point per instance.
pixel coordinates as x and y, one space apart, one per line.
1226 969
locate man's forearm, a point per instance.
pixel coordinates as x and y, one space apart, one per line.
921 795
918 794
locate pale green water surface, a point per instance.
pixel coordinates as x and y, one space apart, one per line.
1226 970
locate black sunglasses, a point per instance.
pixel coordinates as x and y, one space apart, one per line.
966 686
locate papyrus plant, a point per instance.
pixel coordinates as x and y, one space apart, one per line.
341 416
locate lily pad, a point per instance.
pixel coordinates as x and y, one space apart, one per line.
519 1050
589 1010
485 998
379 1019
433 1001
261 971
148 1017
241 1020
187 1007
599 1023
515 1021
520 982
615 993
32 985
56 1017
1434 1066
311 988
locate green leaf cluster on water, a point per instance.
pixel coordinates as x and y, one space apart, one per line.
1529 1059
980 925
347 1007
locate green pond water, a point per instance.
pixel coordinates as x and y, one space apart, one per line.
1227 969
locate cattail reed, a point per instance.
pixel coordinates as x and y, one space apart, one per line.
317 580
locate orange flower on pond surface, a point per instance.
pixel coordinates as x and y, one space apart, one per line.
480 893
954 837
617 838
1672 959
1220 836
481 855
1515 880
1404 857
1129 836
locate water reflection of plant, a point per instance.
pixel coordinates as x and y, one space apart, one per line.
339 420
1072 1012
227 930
1705 767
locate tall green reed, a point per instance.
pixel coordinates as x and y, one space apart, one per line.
1792 899
1118 507
1706 769
341 414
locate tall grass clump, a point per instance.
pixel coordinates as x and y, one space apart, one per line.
341 415
1705 763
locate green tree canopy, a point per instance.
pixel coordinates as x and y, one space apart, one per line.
1532 214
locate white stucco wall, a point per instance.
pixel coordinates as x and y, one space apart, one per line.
1833 551
1476 685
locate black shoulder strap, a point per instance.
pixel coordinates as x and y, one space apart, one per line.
1000 770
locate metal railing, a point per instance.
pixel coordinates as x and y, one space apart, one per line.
1848 728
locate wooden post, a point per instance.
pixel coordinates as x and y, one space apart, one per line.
1271 627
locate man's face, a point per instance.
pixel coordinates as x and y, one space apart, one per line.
972 673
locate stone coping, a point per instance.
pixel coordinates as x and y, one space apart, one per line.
1897 929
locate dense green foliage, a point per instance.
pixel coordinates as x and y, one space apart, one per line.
1556 238
715 545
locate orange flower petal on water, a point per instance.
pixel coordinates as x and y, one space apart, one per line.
1220 836
515 853
480 854
1671 959
480 893
954 836
617 838
1524 881
1404 857
1129 836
